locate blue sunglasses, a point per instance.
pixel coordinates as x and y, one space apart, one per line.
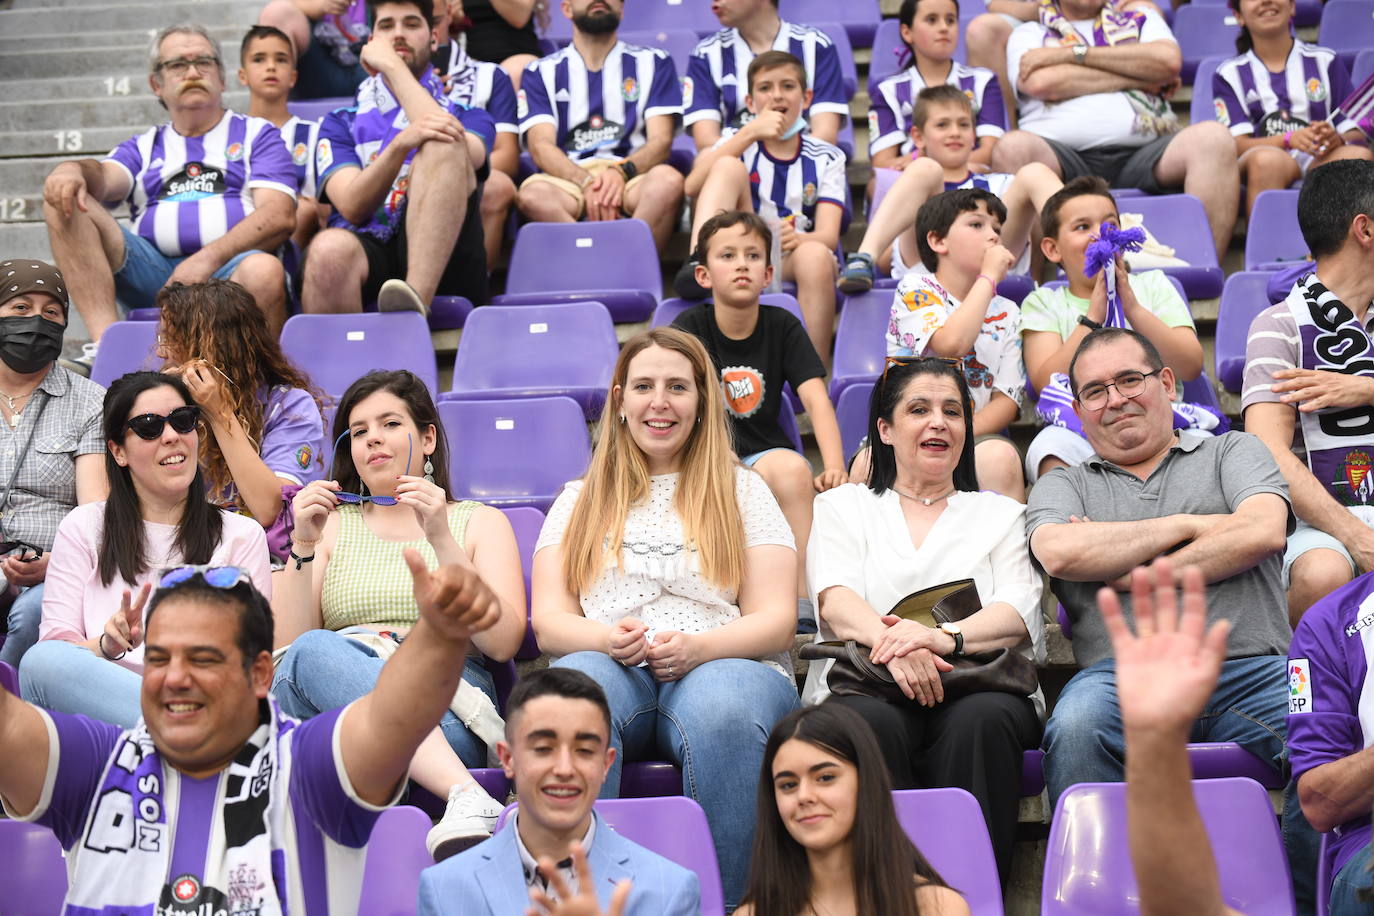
215 576
354 499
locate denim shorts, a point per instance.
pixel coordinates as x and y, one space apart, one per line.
750 460
1305 538
145 270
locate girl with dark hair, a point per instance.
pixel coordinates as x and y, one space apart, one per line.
108 555
266 429
813 851
1281 134
922 522
346 597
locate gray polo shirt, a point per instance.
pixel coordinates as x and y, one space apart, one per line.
1201 475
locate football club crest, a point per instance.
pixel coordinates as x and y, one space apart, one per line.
809 194
1356 467
629 88
234 152
303 456
298 153
1316 90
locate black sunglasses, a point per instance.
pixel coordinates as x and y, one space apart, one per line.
149 425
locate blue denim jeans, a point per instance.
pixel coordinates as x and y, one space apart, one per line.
146 270
714 724
22 625
324 670
1084 741
1353 878
69 678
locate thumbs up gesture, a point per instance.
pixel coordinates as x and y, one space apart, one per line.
453 599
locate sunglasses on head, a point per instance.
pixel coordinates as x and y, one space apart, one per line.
149 425
214 576
353 499
904 361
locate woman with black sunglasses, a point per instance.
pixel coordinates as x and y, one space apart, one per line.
108 555
920 522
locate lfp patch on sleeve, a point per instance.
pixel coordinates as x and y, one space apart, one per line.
1299 686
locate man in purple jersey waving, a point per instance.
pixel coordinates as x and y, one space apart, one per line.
216 801
209 193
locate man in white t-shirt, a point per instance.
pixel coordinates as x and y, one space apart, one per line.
1092 87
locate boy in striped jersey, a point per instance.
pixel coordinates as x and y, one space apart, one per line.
711 91
772 167
598 118
210 193
267 67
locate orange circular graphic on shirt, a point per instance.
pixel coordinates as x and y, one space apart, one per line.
743 390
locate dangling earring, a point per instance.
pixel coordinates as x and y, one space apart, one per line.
429 470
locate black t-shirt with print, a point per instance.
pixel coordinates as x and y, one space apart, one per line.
753 371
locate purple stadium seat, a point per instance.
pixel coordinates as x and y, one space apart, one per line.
527 522
883 180
1202 391
315 109
1323 879
1273 239
396 855
567 348
1016 287
335 350
1363 68
447 312
1032 772
669 309
1226 760
1243 298
35 872
674 827
1202 108
787 419
669 16
126 347
683 153
1178 220
839 36
1204 31
678 43
515 452
503 678
851 410
1347 27
614 263
148 314
860 18
9 678
860 345
1088 866
948 827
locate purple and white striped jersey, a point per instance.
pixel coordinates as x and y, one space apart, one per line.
478 84
718 73
300 137
1331 696
186 192
318 849
889 114
781 188
995 183
1253 101
599 114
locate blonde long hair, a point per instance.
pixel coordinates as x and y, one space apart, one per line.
618 478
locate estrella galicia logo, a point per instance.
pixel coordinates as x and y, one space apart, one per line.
194 182
595 133
186 896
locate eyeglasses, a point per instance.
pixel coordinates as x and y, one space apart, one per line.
1127 384
904 361
354 499
26 551
149 425
178 66
215 576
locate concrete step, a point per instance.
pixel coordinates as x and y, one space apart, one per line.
135 40
25 240
127 82
38 17
134 111
62 142
101 62
21 189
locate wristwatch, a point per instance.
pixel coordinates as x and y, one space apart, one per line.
1089 323
1080 53
952 629
627 169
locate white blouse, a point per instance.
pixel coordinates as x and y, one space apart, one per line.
658 579
860 540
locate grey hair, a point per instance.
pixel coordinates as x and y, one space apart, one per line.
185 28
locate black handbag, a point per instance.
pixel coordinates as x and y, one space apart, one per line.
1004 670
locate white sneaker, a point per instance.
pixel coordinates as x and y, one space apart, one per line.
82 364
399 296
469 819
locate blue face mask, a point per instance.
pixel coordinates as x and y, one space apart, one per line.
797 127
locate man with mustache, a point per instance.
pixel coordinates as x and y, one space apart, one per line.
210 193
598 117
1215 502
403 170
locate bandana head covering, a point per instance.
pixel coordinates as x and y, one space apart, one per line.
25 275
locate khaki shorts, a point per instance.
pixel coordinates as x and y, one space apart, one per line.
571 188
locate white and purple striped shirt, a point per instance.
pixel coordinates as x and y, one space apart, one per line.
317 851
599 114
1253 101
889 114
478 84
300 137
781 188
718 74
186 192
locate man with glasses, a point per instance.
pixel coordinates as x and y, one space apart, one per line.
1215 502
210 193
215 801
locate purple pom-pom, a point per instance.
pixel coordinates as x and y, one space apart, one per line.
1109 243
